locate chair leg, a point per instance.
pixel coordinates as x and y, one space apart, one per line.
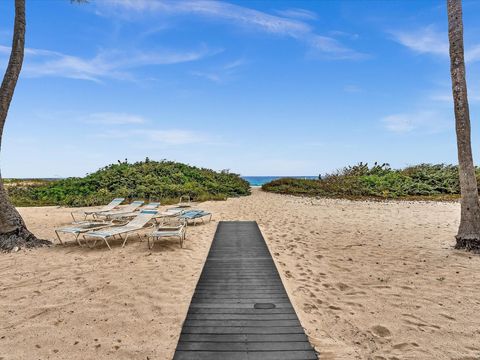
88 244
78 241
58 236
106 242
125 241
152 239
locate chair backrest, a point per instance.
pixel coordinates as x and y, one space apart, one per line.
142 218
151 206
113 204
133 206
185 199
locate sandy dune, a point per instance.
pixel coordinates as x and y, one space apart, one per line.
369 281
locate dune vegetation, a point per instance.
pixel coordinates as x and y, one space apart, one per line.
165 181
380 181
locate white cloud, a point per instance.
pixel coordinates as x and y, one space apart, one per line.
399 123
297 13
330 47
158 137
352 88
472 54
233 14
5 49
235 64
223 73
212 76
105 64
176 137
111 118
423 121
428 40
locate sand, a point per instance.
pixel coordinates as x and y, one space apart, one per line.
369 280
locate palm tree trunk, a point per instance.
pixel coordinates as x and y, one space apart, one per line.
13 231
468 236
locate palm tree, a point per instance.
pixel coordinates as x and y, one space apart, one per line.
13 231
468 236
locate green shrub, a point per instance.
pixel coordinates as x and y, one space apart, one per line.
149 180
437 181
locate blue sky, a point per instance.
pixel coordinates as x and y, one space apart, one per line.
257 87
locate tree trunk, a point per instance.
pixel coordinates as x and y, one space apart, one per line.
13 232
468 236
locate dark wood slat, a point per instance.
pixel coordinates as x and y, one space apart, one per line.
240 291
259 317
248 311
246 305
243 346
223 321
249 338
242 330
282 355
210 355
207 300
242 323
245 355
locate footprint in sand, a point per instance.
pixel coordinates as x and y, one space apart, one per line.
404 346
308 308
342 286
447 316
381 331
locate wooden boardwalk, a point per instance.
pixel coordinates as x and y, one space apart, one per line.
240 309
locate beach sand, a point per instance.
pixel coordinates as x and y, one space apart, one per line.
369 280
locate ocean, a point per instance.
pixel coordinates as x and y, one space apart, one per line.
260 180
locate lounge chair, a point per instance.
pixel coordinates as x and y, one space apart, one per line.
109 207
129 215
170 213
135 225
169 228
124 210
81 227
184 202
194 215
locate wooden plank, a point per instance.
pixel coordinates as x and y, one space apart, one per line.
249 338
207 300
291 316
247 305
210 355
242 330
240 309
242 323
244 346
247 311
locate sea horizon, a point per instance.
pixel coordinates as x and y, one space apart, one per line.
260 180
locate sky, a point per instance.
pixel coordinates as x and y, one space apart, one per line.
256 87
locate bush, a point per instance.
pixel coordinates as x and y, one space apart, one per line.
437 181
148 180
